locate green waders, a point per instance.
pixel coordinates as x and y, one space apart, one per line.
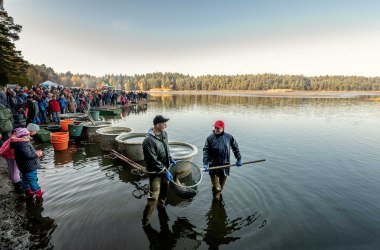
158 190
218 182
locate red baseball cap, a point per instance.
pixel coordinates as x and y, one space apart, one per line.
219 124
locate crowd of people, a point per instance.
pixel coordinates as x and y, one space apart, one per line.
43 105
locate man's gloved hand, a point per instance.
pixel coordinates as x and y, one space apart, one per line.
172 162
239 163
205 166
168 176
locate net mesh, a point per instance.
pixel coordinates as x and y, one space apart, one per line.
186 174
186 177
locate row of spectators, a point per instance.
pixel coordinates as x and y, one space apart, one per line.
43 105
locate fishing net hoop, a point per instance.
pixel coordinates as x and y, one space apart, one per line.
194 166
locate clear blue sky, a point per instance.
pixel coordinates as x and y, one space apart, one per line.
316 37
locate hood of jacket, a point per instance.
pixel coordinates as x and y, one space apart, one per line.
156 151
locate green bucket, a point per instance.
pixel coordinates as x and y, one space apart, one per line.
95 115
75 129
42 135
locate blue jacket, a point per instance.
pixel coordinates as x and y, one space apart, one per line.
216 151
25 156
62 103
42 105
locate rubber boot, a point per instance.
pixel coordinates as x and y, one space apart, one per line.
148 211
146 215
217 196
29 193
39 194
222 181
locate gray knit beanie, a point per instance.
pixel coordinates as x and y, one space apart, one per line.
32 127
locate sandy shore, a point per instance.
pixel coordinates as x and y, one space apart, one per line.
285 93
13 235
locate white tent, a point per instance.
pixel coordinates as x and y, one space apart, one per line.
49 84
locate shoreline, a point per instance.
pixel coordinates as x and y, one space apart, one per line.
13 234
283 93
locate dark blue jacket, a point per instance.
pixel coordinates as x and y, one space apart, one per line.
216 151
42 105
25 156
62 103
156 152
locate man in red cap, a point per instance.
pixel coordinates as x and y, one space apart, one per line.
216 152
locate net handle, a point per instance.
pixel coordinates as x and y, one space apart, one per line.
232 165
200 179
211 168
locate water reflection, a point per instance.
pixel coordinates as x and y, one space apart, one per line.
220 228
140 190
92 150
64 157
135 109
40 227
249 103
128 174
306 140
181 236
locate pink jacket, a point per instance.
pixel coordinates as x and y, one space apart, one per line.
6 151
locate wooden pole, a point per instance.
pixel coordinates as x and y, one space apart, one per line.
232 165
129 161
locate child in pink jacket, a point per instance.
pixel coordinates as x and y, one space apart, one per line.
27 161
7 152
14 173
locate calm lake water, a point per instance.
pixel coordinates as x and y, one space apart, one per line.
318 188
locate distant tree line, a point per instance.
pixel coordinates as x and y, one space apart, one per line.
177 81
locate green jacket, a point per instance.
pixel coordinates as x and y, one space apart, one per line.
156 152
6 119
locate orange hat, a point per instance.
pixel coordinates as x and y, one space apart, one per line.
219 124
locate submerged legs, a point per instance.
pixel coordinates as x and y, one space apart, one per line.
218 182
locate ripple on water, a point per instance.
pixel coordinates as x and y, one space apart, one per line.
318 187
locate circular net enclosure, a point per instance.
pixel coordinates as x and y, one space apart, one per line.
186 177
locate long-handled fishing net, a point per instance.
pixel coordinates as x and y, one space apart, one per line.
187 176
